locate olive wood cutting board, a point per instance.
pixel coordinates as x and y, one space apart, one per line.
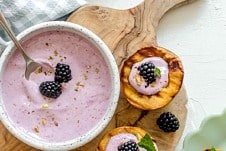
124 32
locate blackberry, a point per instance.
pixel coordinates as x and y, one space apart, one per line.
50 89
62 73
147 71
168 122
128 146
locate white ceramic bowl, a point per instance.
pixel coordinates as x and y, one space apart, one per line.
113 69
211 133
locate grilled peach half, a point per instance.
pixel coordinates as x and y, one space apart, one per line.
166 94
137 131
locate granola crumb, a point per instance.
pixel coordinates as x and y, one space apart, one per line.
138 79
44 121
39 70
55 123
45 105
153 84
85 76
82 85
88 67
36 129
50 58
48 72
55 53
97 70
78 83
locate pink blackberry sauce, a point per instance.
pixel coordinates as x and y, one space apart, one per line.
84 99
121 138
154 87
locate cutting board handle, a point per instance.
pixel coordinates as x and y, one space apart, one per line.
125 31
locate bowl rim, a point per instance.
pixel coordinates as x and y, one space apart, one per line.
113 68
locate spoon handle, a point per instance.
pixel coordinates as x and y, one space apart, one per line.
5 25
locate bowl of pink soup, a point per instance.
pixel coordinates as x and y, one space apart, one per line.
87 102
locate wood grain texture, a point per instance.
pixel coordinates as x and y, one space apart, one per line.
124 31
127 115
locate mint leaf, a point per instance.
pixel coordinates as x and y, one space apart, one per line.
213 149
158 72
147 143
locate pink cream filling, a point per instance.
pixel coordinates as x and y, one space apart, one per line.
84 99
155 87
121 138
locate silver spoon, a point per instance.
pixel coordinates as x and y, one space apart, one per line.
31 65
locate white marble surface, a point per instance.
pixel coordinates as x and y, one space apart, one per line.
117 4
197 33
